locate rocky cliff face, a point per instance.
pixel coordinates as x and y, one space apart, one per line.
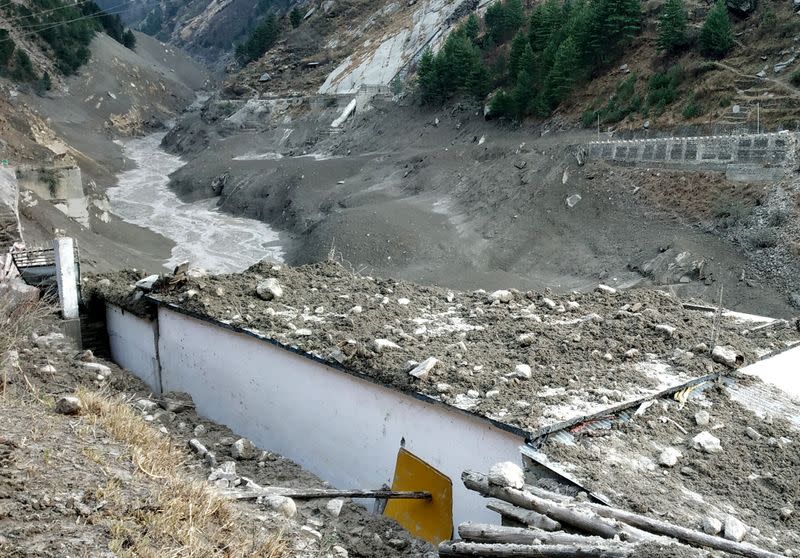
208 29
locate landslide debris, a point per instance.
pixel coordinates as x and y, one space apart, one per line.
527 359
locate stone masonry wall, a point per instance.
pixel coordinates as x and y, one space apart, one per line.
758 155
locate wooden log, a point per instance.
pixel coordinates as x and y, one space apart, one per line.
457 549
681 533
526 517
314 493
588 523
487 533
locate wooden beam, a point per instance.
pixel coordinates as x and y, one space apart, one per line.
486 533
526 517
457 549
681 533
586 522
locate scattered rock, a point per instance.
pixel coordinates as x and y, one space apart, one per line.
334 506
507 474
706 442
281 504
669 457
422 370
147 283
243 449
146 405
786 512
502 296
632 354
196 446
97 368
573 200
380 345
666 329
523 371
752 433
269 289
339 551
702 418
728 356
712 526
68 405
735 530
605 289
176 402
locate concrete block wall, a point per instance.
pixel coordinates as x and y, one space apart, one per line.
773 150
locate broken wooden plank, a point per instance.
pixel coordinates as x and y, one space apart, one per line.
526 517
459 549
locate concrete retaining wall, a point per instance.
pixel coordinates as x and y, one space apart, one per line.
343 428
775 153
132 341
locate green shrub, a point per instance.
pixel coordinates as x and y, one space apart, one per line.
795 79
662 89
692 110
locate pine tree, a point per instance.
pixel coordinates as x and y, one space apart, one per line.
518 46
479 82
296 17
504 18
426 77
613 24
472 27
716 37
562 76
6 48
129 39
672 26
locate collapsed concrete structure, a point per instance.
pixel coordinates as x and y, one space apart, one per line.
338 371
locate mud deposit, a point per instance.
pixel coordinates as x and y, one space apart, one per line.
755 477
530 360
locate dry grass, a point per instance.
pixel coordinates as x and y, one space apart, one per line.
185 518
16 325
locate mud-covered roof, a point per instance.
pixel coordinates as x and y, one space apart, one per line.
530 360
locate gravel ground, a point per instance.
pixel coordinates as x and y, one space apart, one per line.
753 478
528 359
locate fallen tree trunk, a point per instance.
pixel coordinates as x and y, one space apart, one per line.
681 533
526 517
487 533
589 523
466 549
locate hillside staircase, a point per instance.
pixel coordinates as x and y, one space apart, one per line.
759 100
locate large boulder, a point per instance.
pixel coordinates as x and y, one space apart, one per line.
743 7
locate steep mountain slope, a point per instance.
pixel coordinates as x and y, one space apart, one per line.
208 29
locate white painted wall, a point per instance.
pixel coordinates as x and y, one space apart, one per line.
342 428
781 371
133 345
